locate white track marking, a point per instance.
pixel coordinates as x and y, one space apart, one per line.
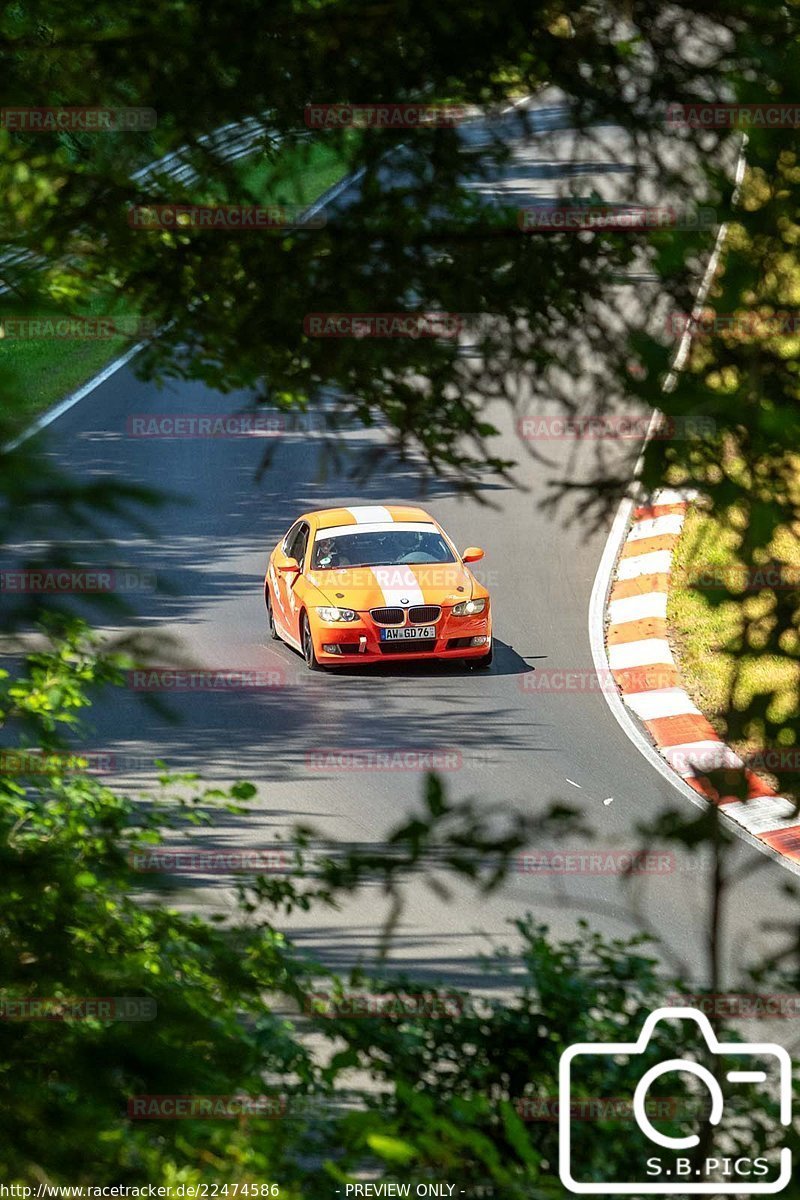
698 758
657 562
661 702
646 653
70 401
637 608
655 526
328 197
67 403
763 813
670 496
602 580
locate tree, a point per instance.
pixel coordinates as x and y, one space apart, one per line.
308 1079
238 306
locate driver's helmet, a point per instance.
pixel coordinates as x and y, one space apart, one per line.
407 542
327 554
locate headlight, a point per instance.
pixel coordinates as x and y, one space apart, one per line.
468 608
337 614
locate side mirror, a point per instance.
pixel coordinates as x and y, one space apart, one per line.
289 566
472 554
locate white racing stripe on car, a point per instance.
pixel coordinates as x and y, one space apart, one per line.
368 514
396 584
376 527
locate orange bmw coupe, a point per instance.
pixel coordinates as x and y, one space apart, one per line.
360 585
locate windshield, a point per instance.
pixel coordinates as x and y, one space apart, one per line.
385 548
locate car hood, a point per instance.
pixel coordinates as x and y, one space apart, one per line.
376 587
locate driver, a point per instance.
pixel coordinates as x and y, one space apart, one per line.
410 545
327 554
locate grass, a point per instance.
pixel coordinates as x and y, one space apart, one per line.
739 646
721 633
35 374
298 176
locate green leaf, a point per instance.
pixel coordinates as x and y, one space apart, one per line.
243 791
391 1149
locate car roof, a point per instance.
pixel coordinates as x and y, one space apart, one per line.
367 514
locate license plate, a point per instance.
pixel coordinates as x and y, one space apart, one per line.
407 632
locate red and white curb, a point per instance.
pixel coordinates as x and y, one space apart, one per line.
648 679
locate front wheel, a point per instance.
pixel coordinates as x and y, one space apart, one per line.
307 642
273 633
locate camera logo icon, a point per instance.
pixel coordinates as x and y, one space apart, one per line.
665 1168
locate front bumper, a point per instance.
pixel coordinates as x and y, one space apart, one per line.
360 640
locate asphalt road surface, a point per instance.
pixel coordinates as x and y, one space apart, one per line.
509 740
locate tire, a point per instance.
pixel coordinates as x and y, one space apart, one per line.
307 643
480 664
273 633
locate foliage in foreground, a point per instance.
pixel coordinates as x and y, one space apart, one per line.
444 1091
